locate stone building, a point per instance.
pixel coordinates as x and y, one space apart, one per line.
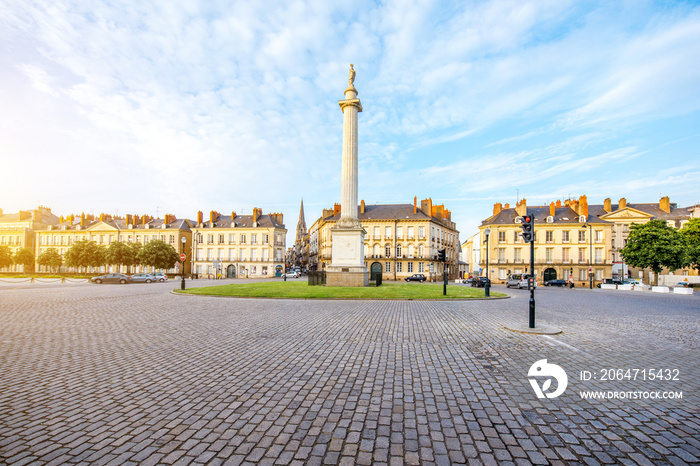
18 230
401 239
239 246
106 229
572 237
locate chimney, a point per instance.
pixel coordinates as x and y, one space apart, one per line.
583 206
622 204
233 215
82 219
665 204
362 206
102 217
60 220
506 206
144 219
497 207
552 209
327 213
257 213
415 204
336 209
212 216
36 215
426 206
558 204
607 205
200 217
521 207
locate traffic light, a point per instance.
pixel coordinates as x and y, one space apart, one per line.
527 224
441 255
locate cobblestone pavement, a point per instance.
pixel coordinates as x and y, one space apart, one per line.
135 375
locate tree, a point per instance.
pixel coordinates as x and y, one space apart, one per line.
25 257
119 253
159 255
50 258
5 257
85 253
654 245
691 233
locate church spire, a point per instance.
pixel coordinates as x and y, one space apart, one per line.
301 226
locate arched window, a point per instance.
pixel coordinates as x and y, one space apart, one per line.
375 251
421 250
410 250
398 250
387 250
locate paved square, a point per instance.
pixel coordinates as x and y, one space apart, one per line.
135 375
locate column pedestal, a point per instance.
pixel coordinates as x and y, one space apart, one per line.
347 250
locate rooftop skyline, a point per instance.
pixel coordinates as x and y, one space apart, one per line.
151 107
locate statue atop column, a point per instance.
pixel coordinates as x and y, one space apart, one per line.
351 81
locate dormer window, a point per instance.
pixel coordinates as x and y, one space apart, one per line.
582 219
550 219
518 220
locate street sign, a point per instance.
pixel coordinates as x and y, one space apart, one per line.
182 257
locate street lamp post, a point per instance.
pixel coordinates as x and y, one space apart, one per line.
590 254
487 285
182 283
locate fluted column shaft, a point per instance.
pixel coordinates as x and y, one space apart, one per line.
348 192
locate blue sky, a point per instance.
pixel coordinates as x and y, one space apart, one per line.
174 107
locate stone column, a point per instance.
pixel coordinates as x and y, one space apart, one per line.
348 237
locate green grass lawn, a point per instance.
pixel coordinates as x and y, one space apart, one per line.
299 289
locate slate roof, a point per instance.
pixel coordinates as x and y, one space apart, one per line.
224 221
387 212
566 214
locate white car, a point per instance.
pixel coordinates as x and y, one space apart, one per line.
291 274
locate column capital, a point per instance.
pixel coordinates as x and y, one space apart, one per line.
350 102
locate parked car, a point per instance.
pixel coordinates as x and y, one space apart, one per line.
518 280
111 278
609 281
143 278
468 281
291 274
160 276
557 282
416 277
480 282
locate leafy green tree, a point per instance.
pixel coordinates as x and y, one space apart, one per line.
85 254
5 257
50 258
25 257
691 233
654 245
159 255
119 253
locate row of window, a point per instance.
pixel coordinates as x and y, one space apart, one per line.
582 274
549 236
409 267
11 240
242 238
58 240
237 255
410 232
583 257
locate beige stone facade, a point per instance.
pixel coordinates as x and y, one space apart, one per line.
106 229
18 230
401 239
239 246
572 237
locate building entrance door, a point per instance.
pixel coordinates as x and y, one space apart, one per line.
375 269
550 274
231 271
